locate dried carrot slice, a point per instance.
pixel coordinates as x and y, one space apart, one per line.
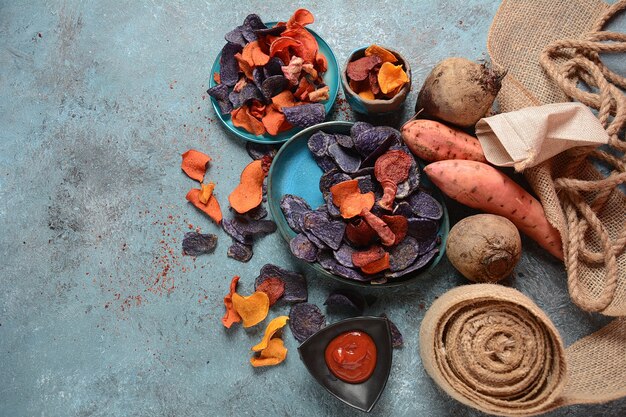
347 196
283 99
242 118
253 55
382 53
249 193
391 77
252 309
300 17
308 49
275 325
377 266
275 122
231 315
257 109
194 164
273 354
217 78
244 66
281 46
211 208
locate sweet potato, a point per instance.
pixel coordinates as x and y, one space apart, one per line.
483 187
433 141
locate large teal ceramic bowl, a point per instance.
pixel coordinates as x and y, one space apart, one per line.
294 171
331 79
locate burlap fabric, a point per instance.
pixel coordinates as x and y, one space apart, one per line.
547 46
491 348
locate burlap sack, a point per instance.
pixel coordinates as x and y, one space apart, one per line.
547 46
491 348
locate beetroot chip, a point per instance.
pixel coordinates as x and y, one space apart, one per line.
274 288
304 320
305 115
342 300
358 70
295 284
303 248
229 67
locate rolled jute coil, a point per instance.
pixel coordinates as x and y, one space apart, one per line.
491 348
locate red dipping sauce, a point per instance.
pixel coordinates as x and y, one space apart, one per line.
351 356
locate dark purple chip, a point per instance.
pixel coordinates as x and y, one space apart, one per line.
404 254
411 184
404 209
273 67
273 85
330 178
305 115
331 208
236 36
259 150
370 140
253 21
422 229
329 231
275 31
295 283
420 263
247 93
342 300
294 208
257 213
195 244
229 67
428 245
316 240
359 127
303 248
258 76
366 184
425 205
365 171
391 139
396 337
326 163
244 230
318 143
346 161
258 227
344 140
220 94
233 229
305 319
239 252
328 262
343 255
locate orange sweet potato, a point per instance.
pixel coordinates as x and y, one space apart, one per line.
249 193
483 187
433 141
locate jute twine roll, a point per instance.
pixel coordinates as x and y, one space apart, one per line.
491 348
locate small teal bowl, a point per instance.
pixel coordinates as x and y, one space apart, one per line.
294 171
375 107
331 79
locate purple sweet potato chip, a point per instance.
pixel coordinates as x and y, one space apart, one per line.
253 21
229 67
330 178
316 240
404 254
328 262
343 255
273 67
411 184
396 337
366 184
259 150
346 161
295 283
303 248
430 244
359 127
232 229
420 263
247 93
305 115
258 76
239 252
294 208
375 142
326 163
220 94
236 36
273 85
318 143
422 229
275 31
328 231
331 208
195 244
344 141
244 230
425 205
403 208
257 213
342 300
304 320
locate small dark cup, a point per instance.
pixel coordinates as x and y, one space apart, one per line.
377 106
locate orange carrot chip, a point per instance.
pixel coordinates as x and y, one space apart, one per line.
217 78
211 208
347 196
284 99
391 77
253 55
194 164
382 53
273 354
242 118
231 315
253 309
274 121
300 17
275 325
206 192
249 193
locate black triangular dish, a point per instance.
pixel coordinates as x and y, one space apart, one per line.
362 396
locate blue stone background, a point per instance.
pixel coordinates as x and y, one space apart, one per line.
98 100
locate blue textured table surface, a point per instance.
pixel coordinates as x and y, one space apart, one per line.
98 101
